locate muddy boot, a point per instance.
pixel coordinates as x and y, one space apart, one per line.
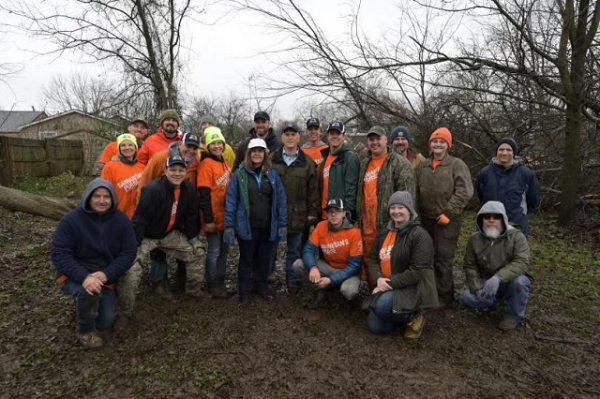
161 288
293 287
414 329
180 278
218 291
317 300
90 340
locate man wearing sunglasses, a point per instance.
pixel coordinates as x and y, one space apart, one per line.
497 266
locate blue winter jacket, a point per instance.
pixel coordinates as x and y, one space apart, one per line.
86 242
237 203
516 187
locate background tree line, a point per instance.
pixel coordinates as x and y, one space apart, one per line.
485 69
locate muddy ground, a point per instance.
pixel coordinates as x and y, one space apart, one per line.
218 348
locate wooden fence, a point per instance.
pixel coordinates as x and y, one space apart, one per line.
40 158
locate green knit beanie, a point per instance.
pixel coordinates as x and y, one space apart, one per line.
169 113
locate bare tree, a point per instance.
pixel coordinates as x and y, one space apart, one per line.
141 37
543 50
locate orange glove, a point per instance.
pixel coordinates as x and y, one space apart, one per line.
443 220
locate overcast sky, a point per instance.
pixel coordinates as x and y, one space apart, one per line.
221 56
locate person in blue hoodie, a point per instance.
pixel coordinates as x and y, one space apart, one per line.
92 247
255 212
509 181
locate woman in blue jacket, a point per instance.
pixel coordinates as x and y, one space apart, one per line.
93 246
255 212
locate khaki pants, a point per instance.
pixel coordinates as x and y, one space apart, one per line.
349 287
174 244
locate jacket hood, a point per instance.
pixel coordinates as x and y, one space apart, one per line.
91 187
492 207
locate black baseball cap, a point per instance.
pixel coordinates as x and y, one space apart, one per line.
335 203
290 125
313 122
261 115
176 160
339 126
191 139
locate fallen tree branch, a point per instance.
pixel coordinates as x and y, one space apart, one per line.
38 205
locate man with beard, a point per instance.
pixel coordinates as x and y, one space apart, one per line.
262 130
382 173
497 266
160 140
138 127
401 140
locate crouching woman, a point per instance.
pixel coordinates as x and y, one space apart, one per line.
92 247
401 264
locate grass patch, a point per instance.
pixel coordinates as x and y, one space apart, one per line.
63 185
566 270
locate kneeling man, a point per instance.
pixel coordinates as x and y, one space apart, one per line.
341 245
93 246
497 265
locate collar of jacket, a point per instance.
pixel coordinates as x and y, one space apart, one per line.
344 148
277 157
389 151
404 228
128 161
206 154
346 224
270 134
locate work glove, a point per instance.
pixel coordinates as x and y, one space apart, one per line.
228 236
210 228
490 288
196 246
443 220
282 233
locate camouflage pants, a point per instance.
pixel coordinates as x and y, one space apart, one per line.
174 244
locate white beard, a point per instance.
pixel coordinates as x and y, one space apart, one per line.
492 232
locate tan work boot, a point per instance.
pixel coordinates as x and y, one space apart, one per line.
414 329
90 340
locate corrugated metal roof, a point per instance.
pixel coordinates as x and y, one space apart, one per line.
11 121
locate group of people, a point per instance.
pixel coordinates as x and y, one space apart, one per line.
392 219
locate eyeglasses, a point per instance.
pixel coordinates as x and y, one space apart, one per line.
334 211
494 216
334 133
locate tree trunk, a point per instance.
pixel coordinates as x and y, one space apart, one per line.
38 205
572 163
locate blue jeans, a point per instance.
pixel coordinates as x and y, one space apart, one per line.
294 251
516 294
382 318
254 263
93 312
216 258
